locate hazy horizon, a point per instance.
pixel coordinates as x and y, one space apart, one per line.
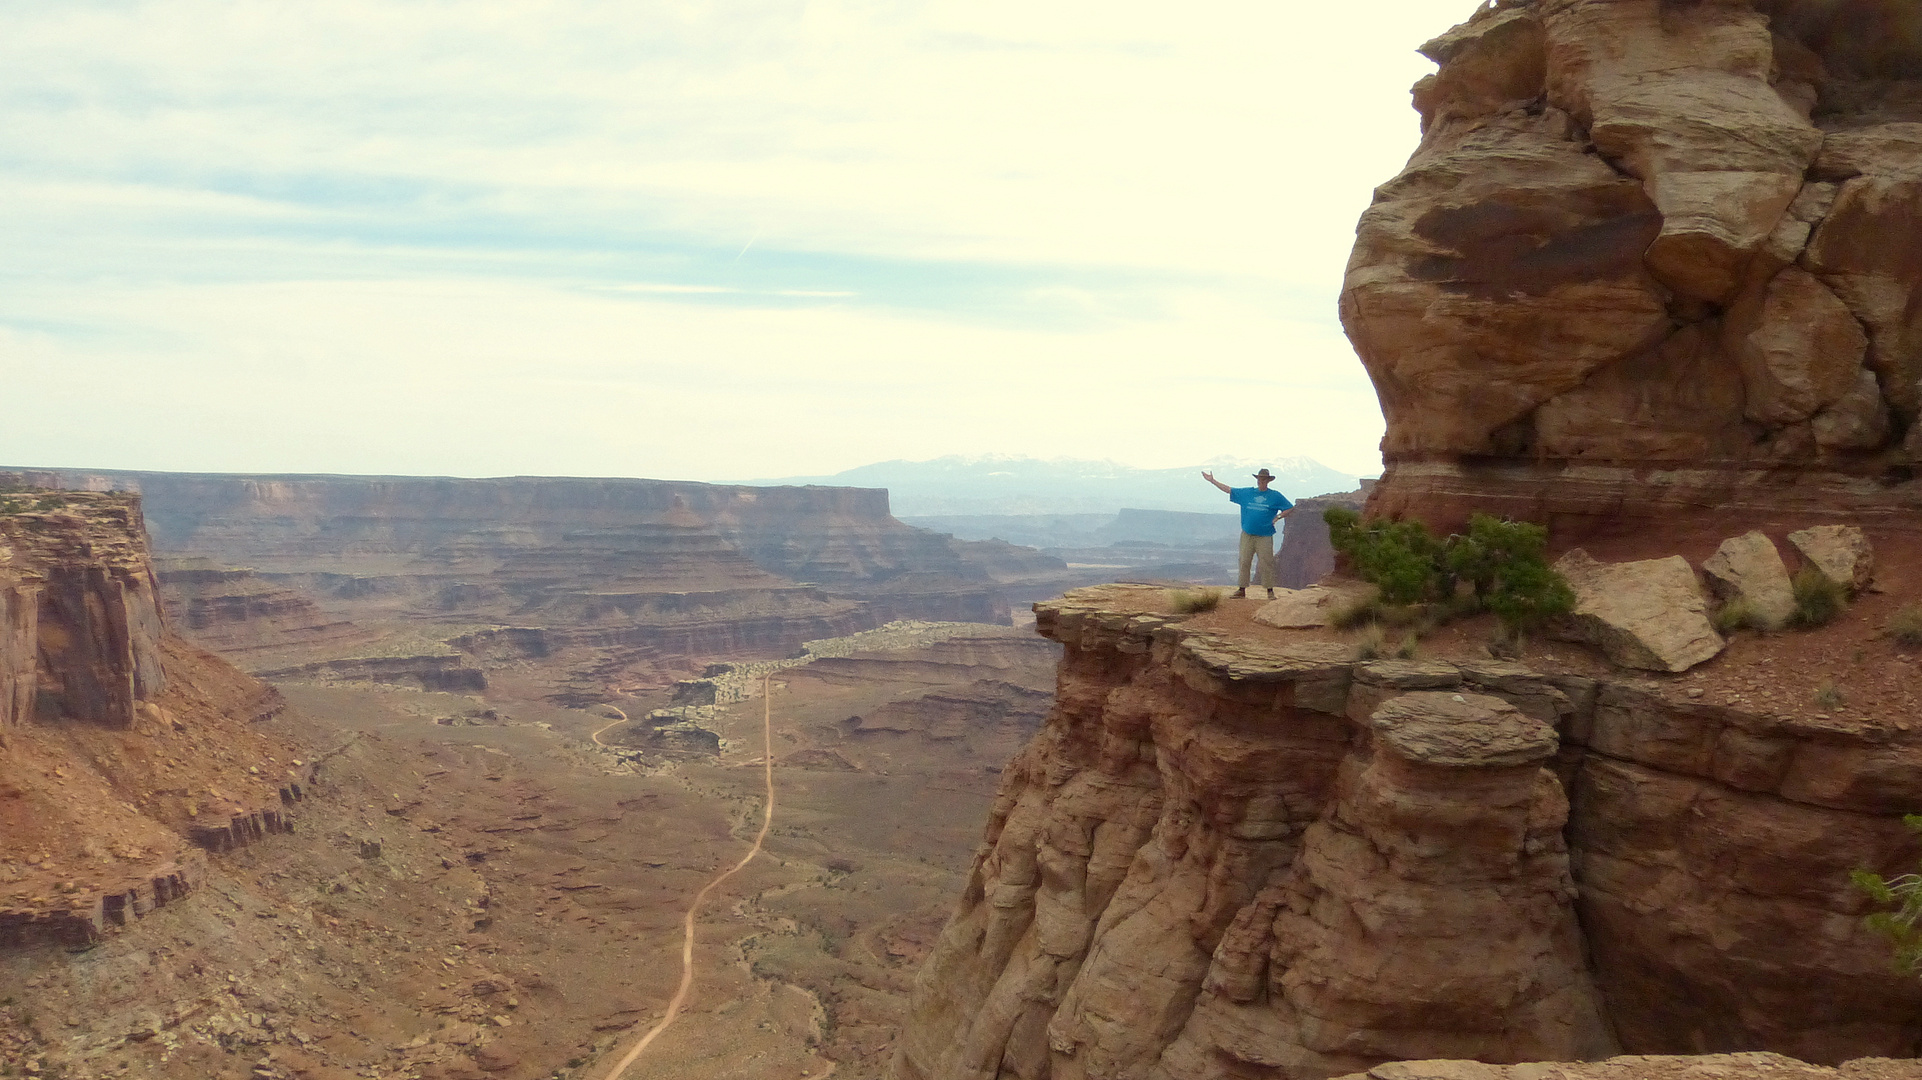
689 240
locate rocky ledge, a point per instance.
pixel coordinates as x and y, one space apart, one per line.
1250 855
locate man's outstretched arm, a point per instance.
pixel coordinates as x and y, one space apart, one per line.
1210 477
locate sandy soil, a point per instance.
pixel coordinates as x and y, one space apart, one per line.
473 895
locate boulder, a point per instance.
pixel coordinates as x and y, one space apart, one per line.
1749 569
1300 609
1859 419
1649 614
1840 553
1799 347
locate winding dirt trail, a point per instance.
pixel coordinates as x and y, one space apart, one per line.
693 909
597 732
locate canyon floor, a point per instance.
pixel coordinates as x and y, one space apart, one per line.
474 888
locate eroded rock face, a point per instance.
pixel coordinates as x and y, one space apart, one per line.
1225 859
1642 235
80 621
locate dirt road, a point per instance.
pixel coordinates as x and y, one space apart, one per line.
693 909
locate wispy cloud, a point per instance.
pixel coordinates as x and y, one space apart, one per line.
1036 179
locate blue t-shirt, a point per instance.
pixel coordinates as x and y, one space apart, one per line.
1258 509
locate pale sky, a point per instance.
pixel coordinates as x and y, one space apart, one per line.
691 240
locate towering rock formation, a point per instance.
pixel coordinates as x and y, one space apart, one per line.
81 613
1653 255
1234 855
124 753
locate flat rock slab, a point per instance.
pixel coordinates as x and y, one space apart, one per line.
1303 609
1649 614
1752 1065
1240 659
1436 727
1749 569
1840 553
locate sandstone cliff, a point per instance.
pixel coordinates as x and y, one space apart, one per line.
1306 556
1653 256
124 752
1236 852
434 581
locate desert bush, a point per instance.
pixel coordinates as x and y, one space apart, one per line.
1827 695
1504 564
1735 615
1817 599
1367 609
1372 644
1410 645
1905 626
1400 558
1194 601
1903 893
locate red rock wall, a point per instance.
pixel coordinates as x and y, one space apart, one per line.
1224 859
95 623
19 610
1653 256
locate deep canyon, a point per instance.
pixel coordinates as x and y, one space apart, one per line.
317 777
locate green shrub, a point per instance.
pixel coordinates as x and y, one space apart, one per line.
1817 599
1194 601
1906 625
1504 563
1735 615
1372 644
1903 893
1410 645
1398 557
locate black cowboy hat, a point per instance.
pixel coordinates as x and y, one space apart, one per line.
1264 474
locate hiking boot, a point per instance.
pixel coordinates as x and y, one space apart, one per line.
1241 594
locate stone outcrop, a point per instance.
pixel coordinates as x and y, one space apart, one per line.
1754 1065
1749 569
1649 614
1840 553
1306 556
123 751
1653 257
242 616
83 600
1228 857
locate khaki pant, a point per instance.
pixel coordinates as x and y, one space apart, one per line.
1259 549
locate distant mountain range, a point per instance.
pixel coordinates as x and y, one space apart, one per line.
957 485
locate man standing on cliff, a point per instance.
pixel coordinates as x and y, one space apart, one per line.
1260 509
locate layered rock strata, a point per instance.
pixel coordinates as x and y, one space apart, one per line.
1651 257
1306 556
81 612
1239 857
124 752
616 583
